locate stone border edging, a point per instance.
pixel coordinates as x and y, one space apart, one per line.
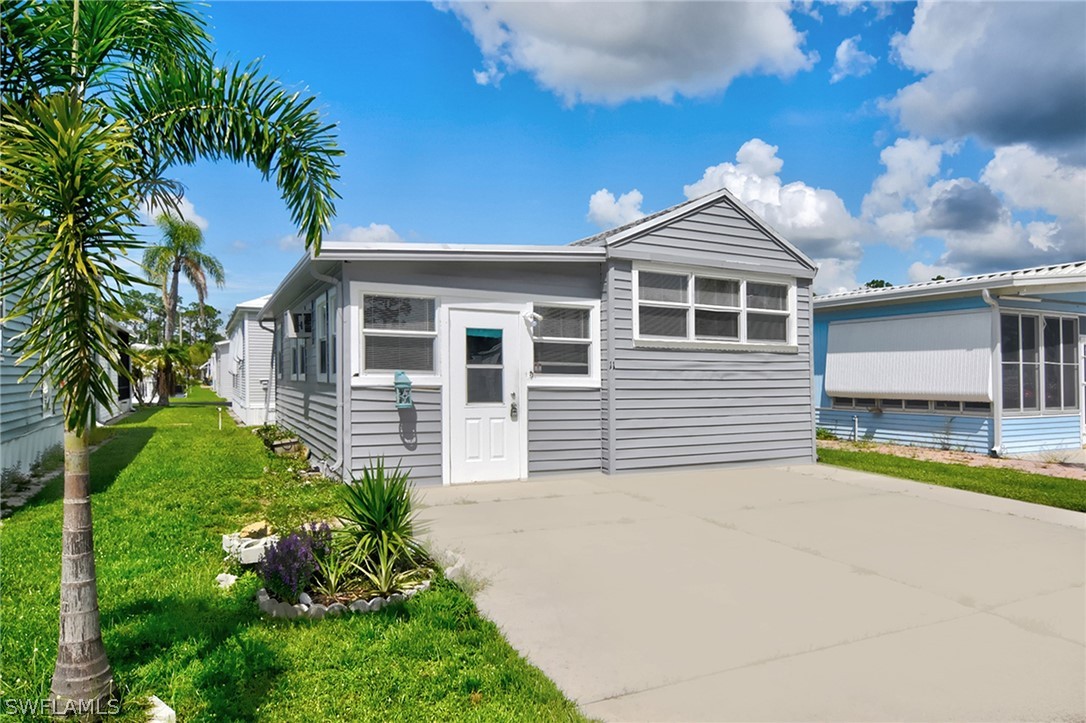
315 611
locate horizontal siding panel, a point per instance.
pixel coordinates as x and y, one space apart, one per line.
971 434
564 430
310 413
1026 435
781 454
410 437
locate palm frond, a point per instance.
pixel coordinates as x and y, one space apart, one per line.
190 111
68 207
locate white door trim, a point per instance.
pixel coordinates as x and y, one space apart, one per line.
524 348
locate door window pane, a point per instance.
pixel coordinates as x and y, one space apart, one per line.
658 321
716 292
661 287
484 346
484 385
716 324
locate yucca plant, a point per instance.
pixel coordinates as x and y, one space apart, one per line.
381 517
387 567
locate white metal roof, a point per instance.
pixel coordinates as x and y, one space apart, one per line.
347 251
1068 277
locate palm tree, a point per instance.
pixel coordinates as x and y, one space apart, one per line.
179 252
99 100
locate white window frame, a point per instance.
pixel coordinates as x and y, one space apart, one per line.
320 335
790 345
374 375
1042 409
570 381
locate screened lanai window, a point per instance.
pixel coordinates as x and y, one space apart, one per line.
1040 366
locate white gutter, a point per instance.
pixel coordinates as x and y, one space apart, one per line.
342 370
997 374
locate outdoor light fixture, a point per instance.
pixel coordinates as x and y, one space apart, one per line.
403 391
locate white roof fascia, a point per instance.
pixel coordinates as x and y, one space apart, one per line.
456 252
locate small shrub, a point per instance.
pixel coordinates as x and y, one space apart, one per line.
823 433
289 565
50 459
272 433
11 479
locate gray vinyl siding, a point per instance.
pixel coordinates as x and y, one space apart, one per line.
719 233
564 428
309 411
258 361
25 432
689 407
408 437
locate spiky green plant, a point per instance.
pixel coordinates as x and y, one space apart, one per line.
99 100
381 515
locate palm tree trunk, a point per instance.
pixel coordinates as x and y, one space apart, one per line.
82 676
165 380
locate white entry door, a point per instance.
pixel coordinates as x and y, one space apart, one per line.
485 405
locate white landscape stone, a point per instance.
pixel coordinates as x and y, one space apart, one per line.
317 611
377 603
395 598
337 609
225 580
159 712
360 606
304 599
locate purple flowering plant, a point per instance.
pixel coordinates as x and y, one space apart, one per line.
289 565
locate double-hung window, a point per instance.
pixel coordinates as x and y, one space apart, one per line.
703 308
563 341
398 333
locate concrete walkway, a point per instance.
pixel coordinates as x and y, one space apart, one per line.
801 593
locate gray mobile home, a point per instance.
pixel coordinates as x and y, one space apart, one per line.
682 339
248 381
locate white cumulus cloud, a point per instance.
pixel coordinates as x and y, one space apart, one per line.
1005 72
919 271
849 60
375 233
608 52
815 219
606 211
186 208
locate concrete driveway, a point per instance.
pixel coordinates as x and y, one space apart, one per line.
800 593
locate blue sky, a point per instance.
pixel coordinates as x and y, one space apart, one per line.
887 141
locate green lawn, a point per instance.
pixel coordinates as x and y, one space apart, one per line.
165 488
1042 489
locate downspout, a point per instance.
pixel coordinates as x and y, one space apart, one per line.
342 371
997 372
271 376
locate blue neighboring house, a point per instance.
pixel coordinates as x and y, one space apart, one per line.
989 364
